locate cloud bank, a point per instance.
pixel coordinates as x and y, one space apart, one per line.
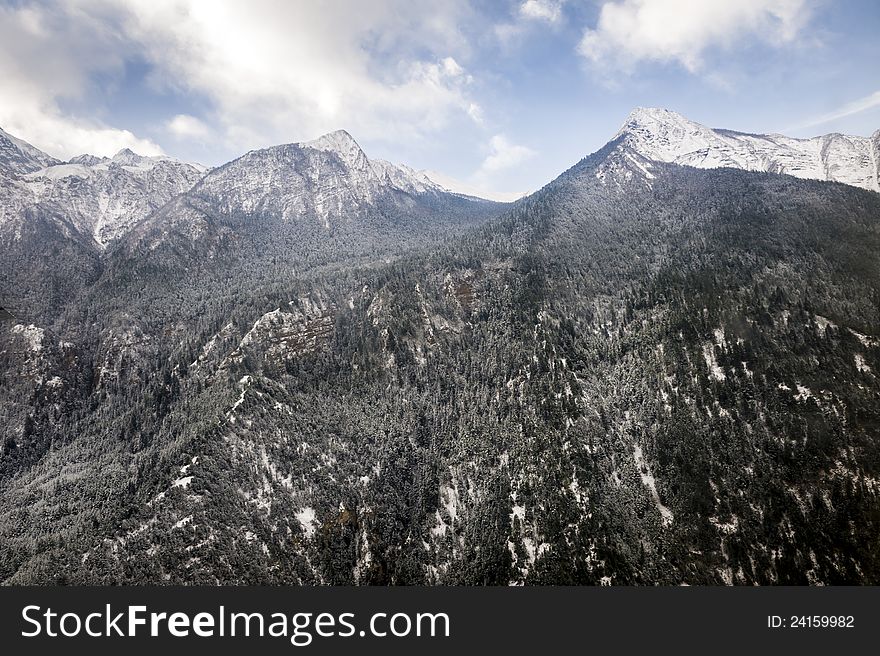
629 32
47 61
266 70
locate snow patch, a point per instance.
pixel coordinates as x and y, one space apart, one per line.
803 394
864 339
715 371
666 516
183 522
307 520
31 334
824 324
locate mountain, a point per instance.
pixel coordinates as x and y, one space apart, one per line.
665 136
58 218
644 373
130 212
325 178
103 198
98 197
299 205
17 156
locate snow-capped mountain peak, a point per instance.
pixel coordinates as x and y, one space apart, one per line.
327 177
135 162
338 141
343 145
665 136
404 178
127 157
655 115
661 134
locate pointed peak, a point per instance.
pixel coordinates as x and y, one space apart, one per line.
343 145
654 118
659 133
338 141
126 156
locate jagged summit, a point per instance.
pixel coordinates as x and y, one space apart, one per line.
336 141
654 114
343 145
87 160
126 156
384 172
662 135
129 158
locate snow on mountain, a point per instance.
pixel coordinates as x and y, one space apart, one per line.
17 156
88 160
343 145
665 136
99 197
404 178
329 176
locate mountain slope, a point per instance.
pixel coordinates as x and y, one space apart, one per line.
664 136
105 314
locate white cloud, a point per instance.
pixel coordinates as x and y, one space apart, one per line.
508 33
45 62
275 70
631 31
184 126
545 10
451 67
503 154
267 71
526 18
475 111
849 109
473 188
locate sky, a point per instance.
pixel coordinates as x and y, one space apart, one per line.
497 98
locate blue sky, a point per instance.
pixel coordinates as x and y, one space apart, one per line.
499 96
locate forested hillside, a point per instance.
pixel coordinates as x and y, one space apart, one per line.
640 374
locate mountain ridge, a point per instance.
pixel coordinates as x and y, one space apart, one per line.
663 135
